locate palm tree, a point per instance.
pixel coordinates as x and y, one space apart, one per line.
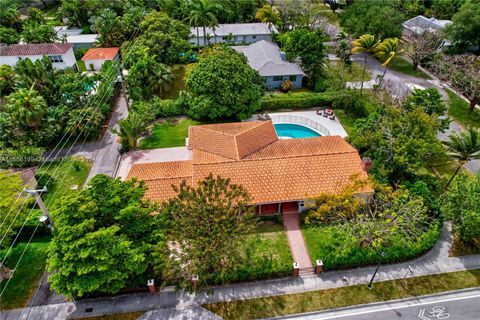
385 51
27 106
268 14
163 78
130 129
203 15
463 147
365 44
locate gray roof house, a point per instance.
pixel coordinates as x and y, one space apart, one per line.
240 33
421 24
266 57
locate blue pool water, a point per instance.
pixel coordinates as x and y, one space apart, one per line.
294 131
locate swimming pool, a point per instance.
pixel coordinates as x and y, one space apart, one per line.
294 131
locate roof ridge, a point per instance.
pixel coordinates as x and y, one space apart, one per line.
274 158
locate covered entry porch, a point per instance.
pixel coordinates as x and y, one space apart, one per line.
280 207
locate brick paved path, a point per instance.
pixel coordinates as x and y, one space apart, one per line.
291 221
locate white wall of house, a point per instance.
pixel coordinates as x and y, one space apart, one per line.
97 63
244 39
67 59
275 82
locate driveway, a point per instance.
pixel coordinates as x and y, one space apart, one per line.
149 156
106 156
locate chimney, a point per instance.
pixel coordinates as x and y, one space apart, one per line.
366 164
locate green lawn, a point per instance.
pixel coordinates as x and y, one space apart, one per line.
64 177
81 66
345 296
168 135
403 66
273 242
179 72
352 72
347 120
458 110
29 271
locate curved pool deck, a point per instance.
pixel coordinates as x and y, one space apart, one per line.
309 119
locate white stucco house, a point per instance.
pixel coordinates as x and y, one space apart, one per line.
235 33
94 58
61 54
266 57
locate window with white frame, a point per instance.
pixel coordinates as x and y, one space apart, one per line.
56 58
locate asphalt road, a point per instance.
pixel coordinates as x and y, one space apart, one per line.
462 305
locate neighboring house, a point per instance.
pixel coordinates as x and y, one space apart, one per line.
95 57
421 24
61 54
279 174
234 33
266 57
75 37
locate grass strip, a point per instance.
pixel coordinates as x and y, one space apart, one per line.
460 112
403 66
344 296
118 316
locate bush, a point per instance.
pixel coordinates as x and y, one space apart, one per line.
300 100
338 249
44 180
20 158
351 101
79 53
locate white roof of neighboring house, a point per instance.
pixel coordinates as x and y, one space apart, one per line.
236 29
82 38
61 30
266 57
420 24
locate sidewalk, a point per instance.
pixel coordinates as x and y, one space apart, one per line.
434 262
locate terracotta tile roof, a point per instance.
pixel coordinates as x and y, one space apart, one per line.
35 49
232 140
100 54
161 170
283 170
160 176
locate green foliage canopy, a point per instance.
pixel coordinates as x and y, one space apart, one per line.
106 237
224 85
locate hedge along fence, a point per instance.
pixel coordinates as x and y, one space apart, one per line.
299 100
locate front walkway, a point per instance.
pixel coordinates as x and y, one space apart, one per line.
300 255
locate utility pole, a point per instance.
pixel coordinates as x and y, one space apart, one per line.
45 218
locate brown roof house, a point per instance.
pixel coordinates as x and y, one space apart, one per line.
279 174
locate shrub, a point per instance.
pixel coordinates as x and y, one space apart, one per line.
352 102
79 53
286 85
301 100
338 249
20 158
44 180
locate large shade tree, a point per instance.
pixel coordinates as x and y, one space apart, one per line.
465 29
378 18
421 47
115 236
224 85
209 223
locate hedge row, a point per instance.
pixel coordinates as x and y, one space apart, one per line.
299 100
